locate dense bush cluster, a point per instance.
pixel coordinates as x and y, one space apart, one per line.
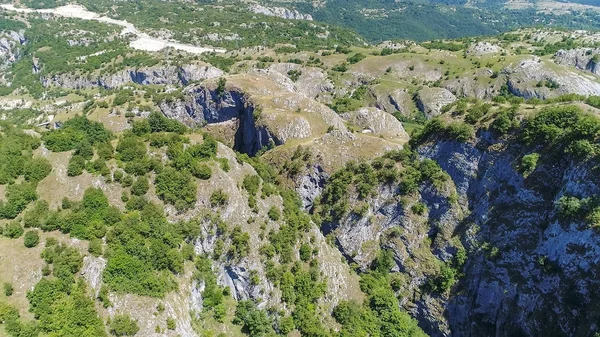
563 129
364 178
458 131
75 131
61 304
380 314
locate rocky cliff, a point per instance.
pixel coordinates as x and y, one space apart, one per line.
529 273
156 75
530 270
10 43
581 58
284 13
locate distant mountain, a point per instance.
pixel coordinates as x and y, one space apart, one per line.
380 20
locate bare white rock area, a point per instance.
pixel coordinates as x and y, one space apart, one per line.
142 42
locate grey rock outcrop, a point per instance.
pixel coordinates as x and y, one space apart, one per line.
432 100
203 105
144 76
581 58
311 82
388 223
310 185
538 263
483 48
474 87
10 43
377 122
281 12
398 100
523 79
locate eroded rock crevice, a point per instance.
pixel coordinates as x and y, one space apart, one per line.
202 106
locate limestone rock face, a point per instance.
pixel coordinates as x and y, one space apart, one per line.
281 12
581 58
525 76
143 76
398 100
511 291
432 100
378 122
10 43
474 87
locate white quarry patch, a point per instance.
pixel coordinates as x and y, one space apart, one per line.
143 42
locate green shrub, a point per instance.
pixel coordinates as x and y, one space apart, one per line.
76 166
159 123
224 162
123 325
569 207
251 184
8 290
274 213
176 188
36 169
503 122
13 230
122 97
356 58
105 150
95 247
201 171
18 197
140 186
529 163
84 149
131 149
305 252
171 323
31 239
218 198
73 132
419 208
444 280
239 243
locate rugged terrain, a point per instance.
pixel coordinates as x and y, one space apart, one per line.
299 182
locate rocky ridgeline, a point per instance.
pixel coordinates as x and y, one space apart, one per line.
284 13
156 75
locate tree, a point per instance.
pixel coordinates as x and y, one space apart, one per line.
36 169
140 186
529 163
76 166
176 188
84 149
13 230
31 239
